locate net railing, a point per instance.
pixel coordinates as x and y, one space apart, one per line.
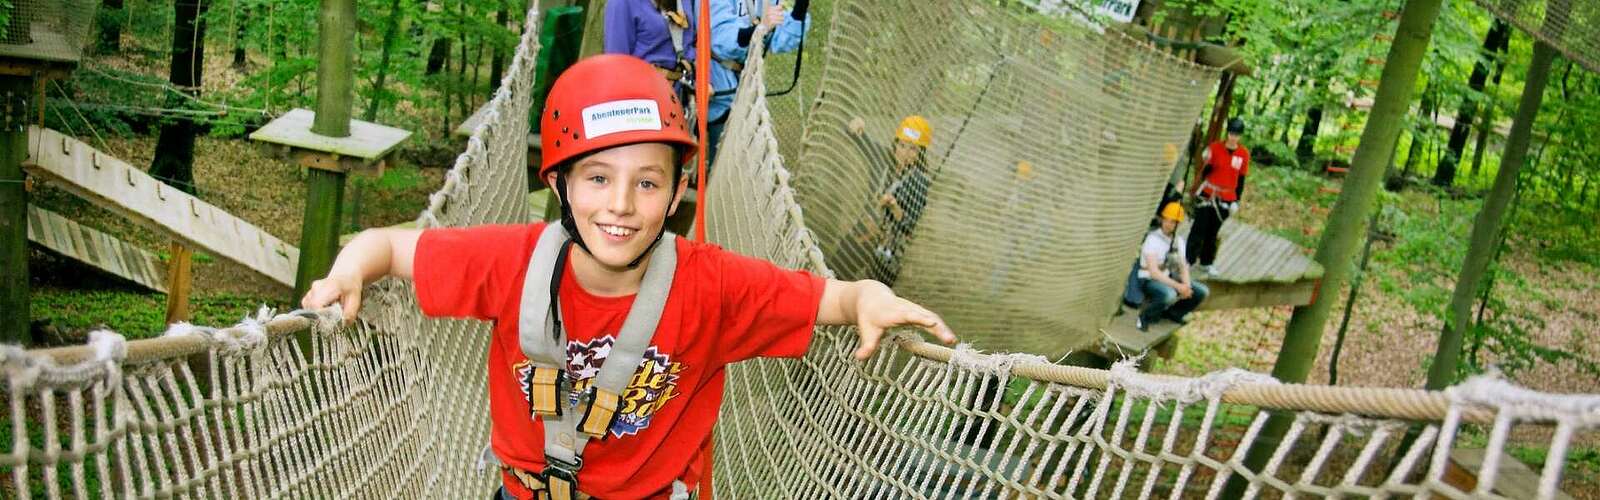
298 406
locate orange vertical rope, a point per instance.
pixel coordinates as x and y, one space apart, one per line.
702 100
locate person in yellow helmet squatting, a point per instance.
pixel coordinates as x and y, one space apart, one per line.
900 181
1163 275
610 334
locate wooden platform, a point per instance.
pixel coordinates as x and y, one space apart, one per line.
117 186
1124 340
89 246
1260 270
1513 479
367 141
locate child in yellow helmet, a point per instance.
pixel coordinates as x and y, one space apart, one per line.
1163 284
900 182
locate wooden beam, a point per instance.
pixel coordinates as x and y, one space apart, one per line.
128 191
1226 295
89 246
178 281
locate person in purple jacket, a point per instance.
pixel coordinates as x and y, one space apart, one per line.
653 30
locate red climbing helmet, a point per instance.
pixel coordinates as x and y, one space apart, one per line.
606 101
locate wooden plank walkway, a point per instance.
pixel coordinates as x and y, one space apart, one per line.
128 191
89 246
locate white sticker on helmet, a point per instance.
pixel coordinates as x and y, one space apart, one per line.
620 116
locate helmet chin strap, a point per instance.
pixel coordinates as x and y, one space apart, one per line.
571 224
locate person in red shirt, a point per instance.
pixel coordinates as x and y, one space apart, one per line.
1222 183
614 149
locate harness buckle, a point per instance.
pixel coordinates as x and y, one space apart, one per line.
561 477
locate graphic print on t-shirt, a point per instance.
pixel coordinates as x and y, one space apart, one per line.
653 384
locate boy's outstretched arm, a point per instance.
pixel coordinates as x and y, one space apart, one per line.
373 254
873 308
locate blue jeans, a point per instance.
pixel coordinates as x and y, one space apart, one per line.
1162 300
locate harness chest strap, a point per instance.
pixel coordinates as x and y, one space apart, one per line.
568 432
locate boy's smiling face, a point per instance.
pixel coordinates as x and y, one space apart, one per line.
621 198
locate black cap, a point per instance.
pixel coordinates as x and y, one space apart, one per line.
1235 126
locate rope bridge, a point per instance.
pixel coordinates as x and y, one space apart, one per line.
296 406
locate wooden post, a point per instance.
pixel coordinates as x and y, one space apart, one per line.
14 300
319 230
178 281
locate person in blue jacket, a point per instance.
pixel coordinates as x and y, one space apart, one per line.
733 23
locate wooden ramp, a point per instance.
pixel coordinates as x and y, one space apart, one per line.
117 186
89 246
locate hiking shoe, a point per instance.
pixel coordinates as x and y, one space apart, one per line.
1141 324
1180 320
1204 271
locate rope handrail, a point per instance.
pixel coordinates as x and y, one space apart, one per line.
1396 403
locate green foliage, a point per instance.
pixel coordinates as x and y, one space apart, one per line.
134 314
400 178
5 17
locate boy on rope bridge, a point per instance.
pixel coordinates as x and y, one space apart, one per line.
1222 183
1163 284
610 334
900 182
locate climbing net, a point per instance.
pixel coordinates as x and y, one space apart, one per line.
298 406
1572 27
1052 138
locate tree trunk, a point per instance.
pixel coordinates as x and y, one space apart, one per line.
475 71
461 69
15 304
438 55
498 64
1347 221
1486 125
1305 148
110 19
1486 229
174 159
396 11
1498 38
1420 135
240 29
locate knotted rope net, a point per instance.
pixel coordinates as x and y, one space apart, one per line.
298 406
1051 141
1572 27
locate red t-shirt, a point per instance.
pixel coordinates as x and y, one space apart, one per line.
723 307
1225 170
